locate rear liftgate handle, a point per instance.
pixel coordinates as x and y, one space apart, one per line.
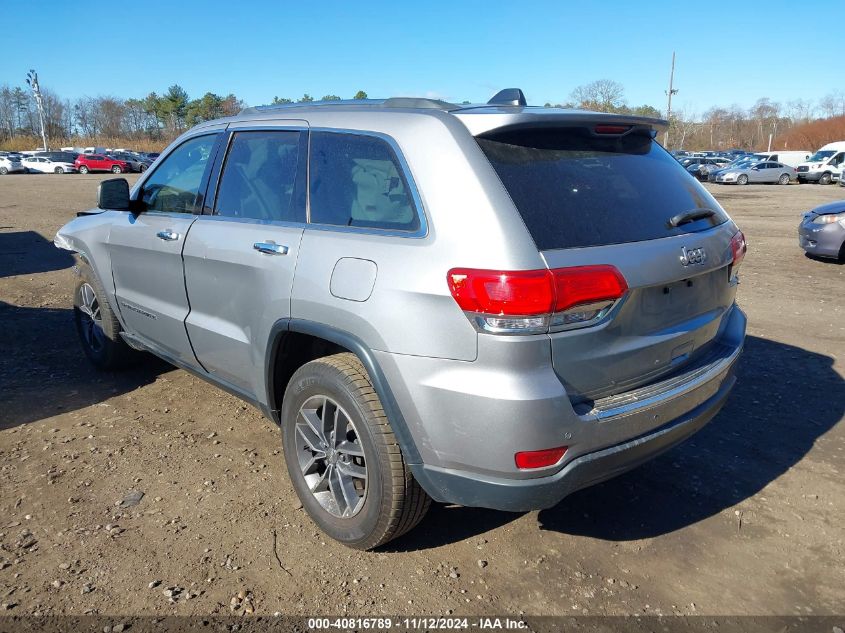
270 248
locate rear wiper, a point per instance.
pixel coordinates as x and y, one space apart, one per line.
689 216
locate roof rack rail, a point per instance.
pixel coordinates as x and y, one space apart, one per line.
309 104
419 102
393 102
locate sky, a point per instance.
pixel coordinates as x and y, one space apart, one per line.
727 53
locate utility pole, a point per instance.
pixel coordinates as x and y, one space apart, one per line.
32 82
670 92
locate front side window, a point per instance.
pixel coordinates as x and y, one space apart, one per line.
357 180
262 179
174 186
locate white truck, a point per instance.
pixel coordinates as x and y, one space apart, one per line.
825 166
793 158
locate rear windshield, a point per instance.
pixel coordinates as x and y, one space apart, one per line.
574 189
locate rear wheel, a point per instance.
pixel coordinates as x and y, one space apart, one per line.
742 180
116 169
784 179
83 169
825 178
3 171
343 458
97 325
142 168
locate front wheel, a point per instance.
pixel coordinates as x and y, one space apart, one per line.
97 325
342 456
58 170
3 171
825 179
784 179
142 168
742 180
83 169
116 169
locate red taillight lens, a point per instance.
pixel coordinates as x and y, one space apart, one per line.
523 293
738 249
539 459
612 129
587 284
536 295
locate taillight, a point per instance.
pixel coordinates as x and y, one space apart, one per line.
738 249
526 460
499 292
532 301
611 129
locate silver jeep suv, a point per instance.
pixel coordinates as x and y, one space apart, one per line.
490 305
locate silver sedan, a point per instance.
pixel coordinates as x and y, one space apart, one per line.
769 171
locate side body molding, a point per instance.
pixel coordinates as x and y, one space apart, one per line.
357 347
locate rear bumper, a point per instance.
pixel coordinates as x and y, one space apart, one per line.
586 470
469 459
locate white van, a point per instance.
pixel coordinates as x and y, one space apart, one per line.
825 166
793 158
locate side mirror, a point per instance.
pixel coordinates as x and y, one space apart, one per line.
113 194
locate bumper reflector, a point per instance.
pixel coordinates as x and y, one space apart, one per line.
526 460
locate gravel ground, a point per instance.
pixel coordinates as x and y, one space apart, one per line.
745 518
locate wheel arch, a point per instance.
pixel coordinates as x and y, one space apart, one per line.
294 342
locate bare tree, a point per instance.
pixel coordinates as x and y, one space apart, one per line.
800 110
604 95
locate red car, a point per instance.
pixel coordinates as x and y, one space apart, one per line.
97 162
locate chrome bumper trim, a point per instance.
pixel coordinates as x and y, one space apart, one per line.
661 393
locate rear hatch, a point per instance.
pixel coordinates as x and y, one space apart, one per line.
599 194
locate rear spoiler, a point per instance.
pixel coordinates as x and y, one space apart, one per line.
483 121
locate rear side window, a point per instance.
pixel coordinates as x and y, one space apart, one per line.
262 178
575 189
357 180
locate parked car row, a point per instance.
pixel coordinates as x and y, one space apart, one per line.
739 167
67 162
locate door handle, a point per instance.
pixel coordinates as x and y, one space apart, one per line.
168 235
270 248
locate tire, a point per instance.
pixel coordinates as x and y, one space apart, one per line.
742 179
116 169
825 178
784 179
3 171
58 170
83 169
96 324
384 500
142 169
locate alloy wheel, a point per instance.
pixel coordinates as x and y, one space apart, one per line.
330 456
92 324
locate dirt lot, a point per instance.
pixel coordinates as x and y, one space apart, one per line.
745 518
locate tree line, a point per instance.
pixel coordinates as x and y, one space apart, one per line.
800 124
156 119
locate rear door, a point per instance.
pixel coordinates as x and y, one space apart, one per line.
146 248
591 198
241 254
